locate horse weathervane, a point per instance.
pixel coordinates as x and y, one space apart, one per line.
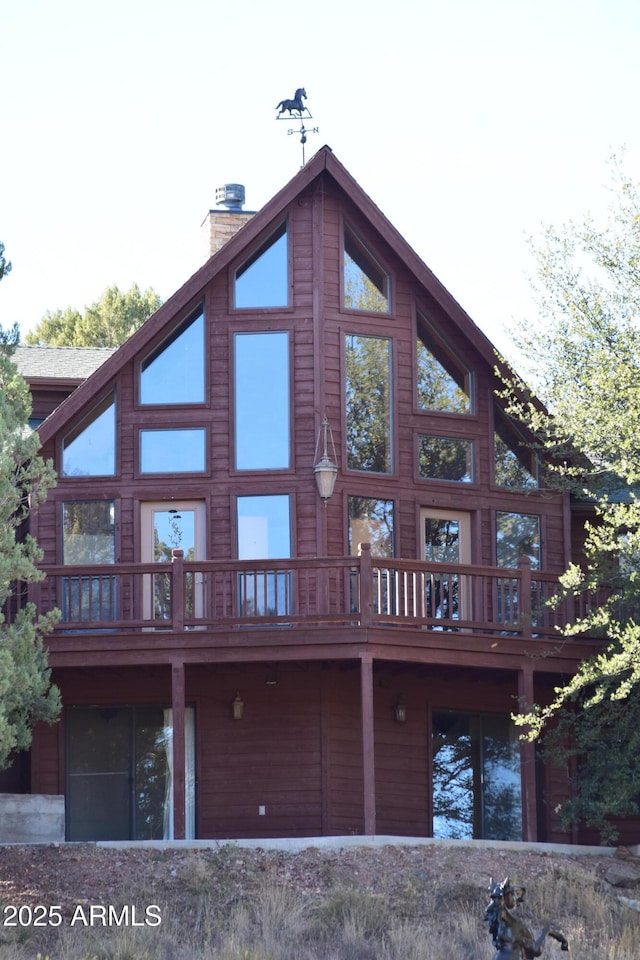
297 109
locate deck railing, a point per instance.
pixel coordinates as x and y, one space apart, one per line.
360 591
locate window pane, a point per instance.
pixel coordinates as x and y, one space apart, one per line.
151 762
88 531
441 540
476 777
371 521
263 280
262 401
514 461
90 449
368 403
517 535
366 284
174 373
444 384
264 531
172 451
99 774
445 458
502 803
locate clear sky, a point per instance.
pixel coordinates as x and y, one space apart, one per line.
469 122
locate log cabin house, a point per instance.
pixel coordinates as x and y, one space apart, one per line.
301 553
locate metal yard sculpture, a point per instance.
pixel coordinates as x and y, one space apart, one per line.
512 938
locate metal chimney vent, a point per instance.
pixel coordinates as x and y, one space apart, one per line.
231 196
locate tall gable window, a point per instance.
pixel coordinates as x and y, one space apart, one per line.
174 372
89 450
368 403
261 415
366 283
263 279
443 382
515 463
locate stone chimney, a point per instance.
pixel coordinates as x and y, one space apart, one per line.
220 225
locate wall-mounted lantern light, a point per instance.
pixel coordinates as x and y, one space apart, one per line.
237 708
400 711
326 469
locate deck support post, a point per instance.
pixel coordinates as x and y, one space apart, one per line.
368 761
527 759
178 710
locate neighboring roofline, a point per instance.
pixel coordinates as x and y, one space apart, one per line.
188 294
54 381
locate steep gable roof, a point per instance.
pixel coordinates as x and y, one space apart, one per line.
323 163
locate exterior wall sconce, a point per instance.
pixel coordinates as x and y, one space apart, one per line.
325 469
237 708
400 711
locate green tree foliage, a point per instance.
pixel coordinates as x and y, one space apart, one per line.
26 694
5 265
107 323
584 357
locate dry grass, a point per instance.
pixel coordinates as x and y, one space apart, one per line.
223 906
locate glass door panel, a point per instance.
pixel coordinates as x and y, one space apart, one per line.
446 540
167 526
99 775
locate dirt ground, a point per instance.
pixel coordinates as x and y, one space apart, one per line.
82 874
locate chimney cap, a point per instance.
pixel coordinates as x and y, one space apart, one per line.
230 195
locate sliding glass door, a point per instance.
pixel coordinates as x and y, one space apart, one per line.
119 773
476 777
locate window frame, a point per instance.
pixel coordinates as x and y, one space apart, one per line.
520 513
376 261
472 459
151 427
512 428
352 546
422 321
245 262
162 345
108 399
233 425
346 333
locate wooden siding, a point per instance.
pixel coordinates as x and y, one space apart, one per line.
297 752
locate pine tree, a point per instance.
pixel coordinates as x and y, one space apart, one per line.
26 693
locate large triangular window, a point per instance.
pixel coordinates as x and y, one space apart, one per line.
174 371
366 283
515 463
443 382
89 450
263 279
